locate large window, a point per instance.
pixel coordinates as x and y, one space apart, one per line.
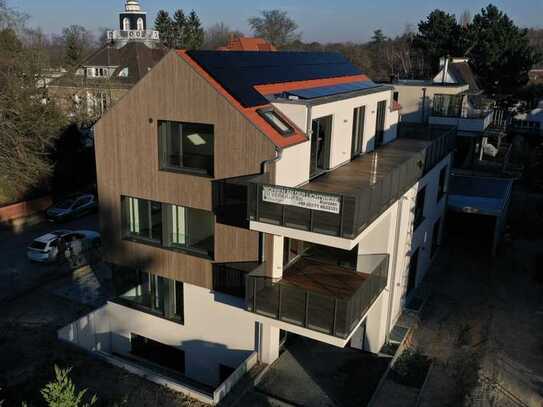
150 293
142 219
419 208
186 147
447 105
170 226
189 229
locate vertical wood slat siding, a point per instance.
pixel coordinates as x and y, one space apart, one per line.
127 164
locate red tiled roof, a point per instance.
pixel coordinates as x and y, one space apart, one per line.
248 44
251 112
288 86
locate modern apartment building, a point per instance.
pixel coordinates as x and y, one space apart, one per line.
248 194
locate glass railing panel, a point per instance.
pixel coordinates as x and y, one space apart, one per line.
266 299
297 218
293 302
320 314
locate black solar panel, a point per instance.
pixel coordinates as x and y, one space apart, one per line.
239 72
333 90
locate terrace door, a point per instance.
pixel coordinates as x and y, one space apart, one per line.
359 116
380 123
412 276
320 145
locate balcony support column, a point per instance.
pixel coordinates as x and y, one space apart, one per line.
269 343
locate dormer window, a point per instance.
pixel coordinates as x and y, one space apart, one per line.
140 24
277 122
126 24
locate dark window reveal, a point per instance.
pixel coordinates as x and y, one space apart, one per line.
442 181
419 208
158 353
186 147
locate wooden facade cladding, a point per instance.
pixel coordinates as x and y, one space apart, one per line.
127 164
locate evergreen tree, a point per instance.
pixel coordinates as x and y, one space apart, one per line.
179 28
500 51
164 25
194 33
378 37
440 35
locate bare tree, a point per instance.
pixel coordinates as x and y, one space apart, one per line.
218 35
276 27
28 123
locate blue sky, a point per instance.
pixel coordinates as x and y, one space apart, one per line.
319 20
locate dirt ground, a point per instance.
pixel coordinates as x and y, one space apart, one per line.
29 349
483 322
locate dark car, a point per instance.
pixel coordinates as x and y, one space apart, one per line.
72 208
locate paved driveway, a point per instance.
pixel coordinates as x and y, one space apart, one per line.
17 273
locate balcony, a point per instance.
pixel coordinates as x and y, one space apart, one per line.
343 202
142 35
453 110
319 296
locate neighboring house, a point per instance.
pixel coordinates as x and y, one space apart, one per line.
454 98
243 195
248 44
108 74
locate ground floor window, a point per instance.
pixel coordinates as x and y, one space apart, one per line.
151 293
157 353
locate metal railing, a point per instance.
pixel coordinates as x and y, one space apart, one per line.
230 278
277 299
359 208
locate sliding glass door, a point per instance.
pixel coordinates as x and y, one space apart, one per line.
320 145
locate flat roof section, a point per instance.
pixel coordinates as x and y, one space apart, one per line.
369 168
479 195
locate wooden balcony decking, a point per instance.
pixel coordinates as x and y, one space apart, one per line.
322 278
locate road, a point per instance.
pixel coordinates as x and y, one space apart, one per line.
17 273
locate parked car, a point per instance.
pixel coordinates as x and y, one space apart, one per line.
72 208
49 247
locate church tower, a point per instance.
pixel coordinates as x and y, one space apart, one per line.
133 27
133 18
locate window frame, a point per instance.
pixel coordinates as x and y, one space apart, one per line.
419 209
163 141
264 114
125 219
167 232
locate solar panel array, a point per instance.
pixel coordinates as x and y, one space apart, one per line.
238 72
333 90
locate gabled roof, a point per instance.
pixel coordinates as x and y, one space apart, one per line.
239 72
245 78
248 44
462 73
136 56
